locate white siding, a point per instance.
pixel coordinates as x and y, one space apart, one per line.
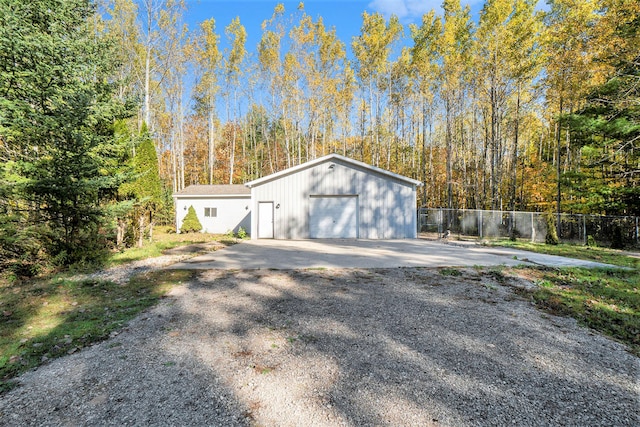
233 212
386 206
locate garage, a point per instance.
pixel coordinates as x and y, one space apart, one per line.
334 197
219 208
333 217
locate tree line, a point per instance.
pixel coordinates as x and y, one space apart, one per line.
521 109
76 178
502 113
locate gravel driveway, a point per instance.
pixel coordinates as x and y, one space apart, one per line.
358 253
331 347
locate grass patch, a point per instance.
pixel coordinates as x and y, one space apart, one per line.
607 300
45 319
453 272
164 240
589 253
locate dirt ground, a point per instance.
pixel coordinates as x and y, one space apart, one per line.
356 347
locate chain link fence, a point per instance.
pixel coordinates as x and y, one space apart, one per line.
615 231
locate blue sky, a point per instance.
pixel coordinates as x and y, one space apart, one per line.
344 15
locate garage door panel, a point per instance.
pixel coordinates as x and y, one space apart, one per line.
333 218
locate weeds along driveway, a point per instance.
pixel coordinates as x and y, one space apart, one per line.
350 253
330 347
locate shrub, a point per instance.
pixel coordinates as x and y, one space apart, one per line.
616 238
242 233
191 224
591 241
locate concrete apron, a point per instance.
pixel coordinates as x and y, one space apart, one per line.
348 253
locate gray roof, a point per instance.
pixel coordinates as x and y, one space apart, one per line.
214 190
327 158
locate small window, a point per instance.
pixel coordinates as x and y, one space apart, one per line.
210 212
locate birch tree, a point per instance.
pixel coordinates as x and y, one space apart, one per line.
424 60
208 57
233 62
455 47
372 49
567 36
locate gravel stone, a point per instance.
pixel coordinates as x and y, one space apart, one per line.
338 347
122 273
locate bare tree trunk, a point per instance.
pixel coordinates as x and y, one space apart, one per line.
514 155
147 69
449 149
151 224
212 144
424 152
232 154
181 138
141 230
559 169
120 230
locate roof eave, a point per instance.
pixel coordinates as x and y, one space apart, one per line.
244 195
319 160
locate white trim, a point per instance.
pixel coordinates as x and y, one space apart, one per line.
212 196
320 160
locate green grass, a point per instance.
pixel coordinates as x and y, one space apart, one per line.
450 272
590 253
607 300
45 319
164 240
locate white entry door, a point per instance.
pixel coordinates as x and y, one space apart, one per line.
265 220
333 217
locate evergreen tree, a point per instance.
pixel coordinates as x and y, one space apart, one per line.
146 188
191 223
607 129
56 127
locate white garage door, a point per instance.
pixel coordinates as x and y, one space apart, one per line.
333 218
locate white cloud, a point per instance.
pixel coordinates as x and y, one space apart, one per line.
389 7
420 7
409 9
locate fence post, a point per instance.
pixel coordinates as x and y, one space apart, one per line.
480 222
512 231
584 229
533 230
637 237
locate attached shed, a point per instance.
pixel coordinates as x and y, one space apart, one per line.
220 208
334 197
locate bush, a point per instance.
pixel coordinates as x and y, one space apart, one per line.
552 235
616 238
591 241
242 233
191 224
21 252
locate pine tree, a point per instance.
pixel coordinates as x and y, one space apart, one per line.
190 223
146 187
56 126
607 129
